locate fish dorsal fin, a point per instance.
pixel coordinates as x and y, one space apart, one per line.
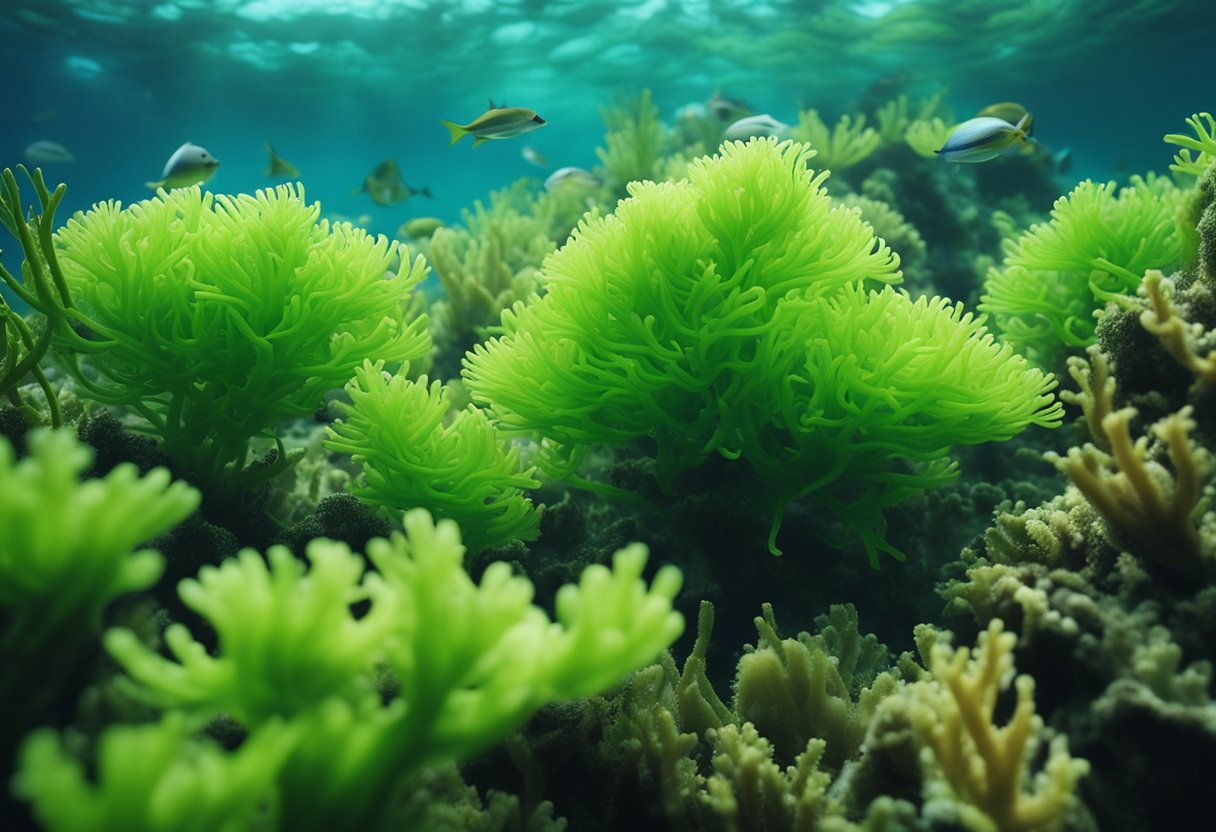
386 170
494 106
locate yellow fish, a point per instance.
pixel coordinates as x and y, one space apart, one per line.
496 123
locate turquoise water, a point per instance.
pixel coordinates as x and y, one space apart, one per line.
337 86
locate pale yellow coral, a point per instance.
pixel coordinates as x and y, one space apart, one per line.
987 767
1097 391
1139 498
927 136
1177 335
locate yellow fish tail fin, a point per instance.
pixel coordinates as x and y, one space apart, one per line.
455 129
1024 126
155 185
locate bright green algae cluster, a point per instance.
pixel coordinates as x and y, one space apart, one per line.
735 312
216 318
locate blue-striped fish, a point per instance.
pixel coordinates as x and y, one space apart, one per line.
984 138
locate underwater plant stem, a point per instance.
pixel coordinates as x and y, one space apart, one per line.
612 493
46 233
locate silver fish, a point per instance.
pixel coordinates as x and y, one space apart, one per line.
46 152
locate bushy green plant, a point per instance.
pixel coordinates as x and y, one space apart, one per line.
467 664
863 395
67 549
678 318
1096 248
634 141
414 456
927 136
215 318
840 146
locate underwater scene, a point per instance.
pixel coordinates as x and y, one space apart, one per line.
520 416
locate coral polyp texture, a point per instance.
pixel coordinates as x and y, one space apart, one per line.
735 312
217 317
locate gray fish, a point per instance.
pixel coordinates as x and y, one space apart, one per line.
762 125
189 165
571 175
534 156
46 152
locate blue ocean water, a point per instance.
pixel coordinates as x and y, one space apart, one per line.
338 86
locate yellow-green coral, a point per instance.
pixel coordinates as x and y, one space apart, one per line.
416 453
1203 143
300 651
927 136
634 141
841 146
1097 247
1143 501
217 317
986 767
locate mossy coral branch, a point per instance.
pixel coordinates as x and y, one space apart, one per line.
1177 336
1128 490
986 765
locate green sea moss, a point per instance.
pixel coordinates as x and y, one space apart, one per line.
696 315
215 318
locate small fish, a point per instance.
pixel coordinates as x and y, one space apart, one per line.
279 167
45 152
762 125
532 155
1061 160
386 187
496 123
571 176
724 109
983 138
189 165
